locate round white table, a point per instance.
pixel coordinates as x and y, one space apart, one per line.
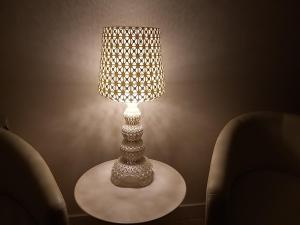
98 197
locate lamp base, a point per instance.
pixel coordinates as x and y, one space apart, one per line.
133 175
132 169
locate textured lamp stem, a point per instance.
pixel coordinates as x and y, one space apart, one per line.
132 169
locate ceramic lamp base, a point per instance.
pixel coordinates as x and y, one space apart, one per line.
132 169
134 176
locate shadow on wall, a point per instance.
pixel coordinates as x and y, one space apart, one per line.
97 119
171 132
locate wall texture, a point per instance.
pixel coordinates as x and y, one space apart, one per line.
221 58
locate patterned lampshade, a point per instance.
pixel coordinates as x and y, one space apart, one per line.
131 64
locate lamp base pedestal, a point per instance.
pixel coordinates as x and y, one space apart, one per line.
134 175
132 169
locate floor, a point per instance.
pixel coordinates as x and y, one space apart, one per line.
184 215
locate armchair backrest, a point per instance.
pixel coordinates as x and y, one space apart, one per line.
27 186
253 142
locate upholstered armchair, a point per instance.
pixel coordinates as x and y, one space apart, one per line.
254 177
28 191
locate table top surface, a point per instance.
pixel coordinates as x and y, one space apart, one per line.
98 197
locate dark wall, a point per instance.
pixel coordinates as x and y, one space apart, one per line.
221 58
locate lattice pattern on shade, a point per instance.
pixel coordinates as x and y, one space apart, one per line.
131 64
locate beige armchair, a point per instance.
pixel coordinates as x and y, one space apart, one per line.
28 191
254 177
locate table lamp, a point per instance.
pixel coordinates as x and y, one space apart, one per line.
131 72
